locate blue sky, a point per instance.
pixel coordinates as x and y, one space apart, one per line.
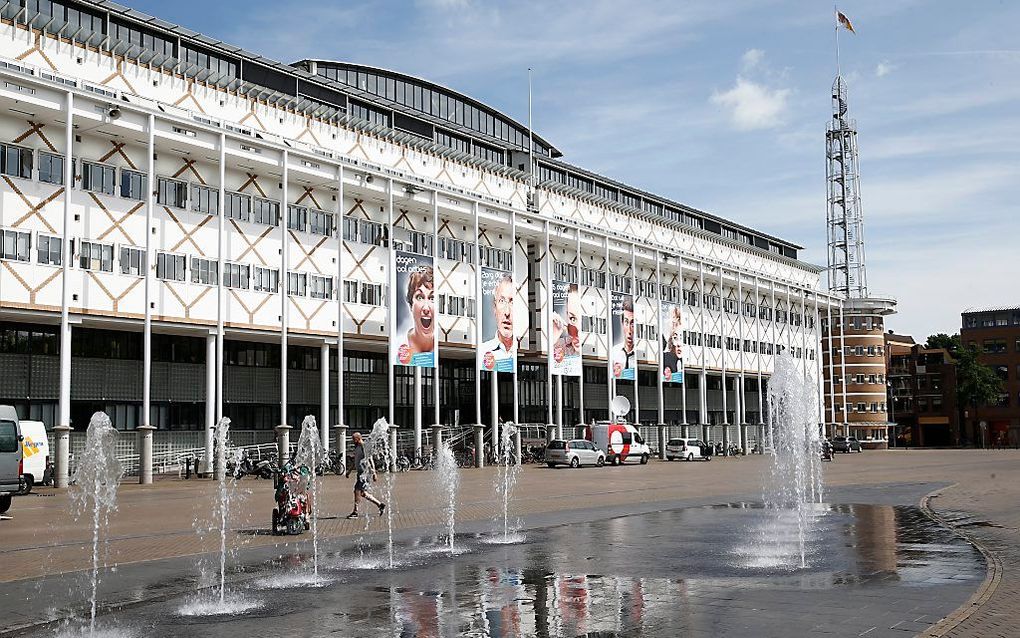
723 106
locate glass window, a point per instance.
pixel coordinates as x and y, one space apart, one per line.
170 267
132 261
49 250
98 178
15 161
17 245
266 280
205 199
204 271
132 184
297 284
320 223
96 256
235 276
297 217
8 437
320 287
51 168
265 211
172 192
238 206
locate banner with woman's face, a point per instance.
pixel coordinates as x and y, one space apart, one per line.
499 341
414 339
672 343
622 353
566 329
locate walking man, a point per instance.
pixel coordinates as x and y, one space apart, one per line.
364 467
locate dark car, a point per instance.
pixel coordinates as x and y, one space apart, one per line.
846 444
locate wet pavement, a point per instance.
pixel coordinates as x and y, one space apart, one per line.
713 570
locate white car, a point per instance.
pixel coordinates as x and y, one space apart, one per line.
574 453
686 449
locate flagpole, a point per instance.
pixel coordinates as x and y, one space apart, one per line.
835 16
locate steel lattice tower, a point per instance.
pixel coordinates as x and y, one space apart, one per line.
847 275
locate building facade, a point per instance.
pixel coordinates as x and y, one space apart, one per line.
995 333
192 231
922 394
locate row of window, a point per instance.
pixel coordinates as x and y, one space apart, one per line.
95 177
997 346
860 379
862 407
860 351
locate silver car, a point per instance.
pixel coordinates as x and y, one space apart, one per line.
574 453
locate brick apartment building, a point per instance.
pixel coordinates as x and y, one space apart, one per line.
995 332
922 394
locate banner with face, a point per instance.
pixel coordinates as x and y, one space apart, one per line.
414 340
566 329
672 343
499 342
622 353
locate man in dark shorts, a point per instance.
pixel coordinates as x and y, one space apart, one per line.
363 467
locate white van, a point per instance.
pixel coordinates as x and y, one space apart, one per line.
35 448
621 442
686 450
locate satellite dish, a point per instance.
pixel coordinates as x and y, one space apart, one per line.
620 405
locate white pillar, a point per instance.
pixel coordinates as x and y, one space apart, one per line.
324 399
284 304
147 327
63 426
513 276
494 409
210 402
703 381
580 379
610 381
547 322
220 290
842 365
479 445
637 366
559 406
391 314
658 341
478 321
703 402
144 446
417 407
436 412
340 288
725 336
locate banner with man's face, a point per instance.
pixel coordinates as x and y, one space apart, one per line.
622 352
499 343
414 339
672 343
566 329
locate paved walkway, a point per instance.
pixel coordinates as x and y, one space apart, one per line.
159 521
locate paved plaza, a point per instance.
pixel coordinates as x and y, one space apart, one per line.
154 540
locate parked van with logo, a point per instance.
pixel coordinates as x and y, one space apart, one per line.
686 450
10 456
35 450
620 442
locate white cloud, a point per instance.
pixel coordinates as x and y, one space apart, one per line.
752 58
752 105
884 68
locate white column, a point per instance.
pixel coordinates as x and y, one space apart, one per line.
723 321
559 406
547 291
757 347
517 363
63 426
658 337
284 300
637 367
683 393
417 406
580 379
494 409
324 398
703 382
478 322
341 213
610 381
220 292
832 368
436 413
816 338
391 313
210 402
147 329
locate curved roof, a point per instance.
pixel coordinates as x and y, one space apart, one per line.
426 84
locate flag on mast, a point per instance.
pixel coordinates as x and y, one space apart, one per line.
845 21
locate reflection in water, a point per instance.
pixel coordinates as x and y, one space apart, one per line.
662 574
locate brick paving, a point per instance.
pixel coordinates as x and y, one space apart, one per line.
158 521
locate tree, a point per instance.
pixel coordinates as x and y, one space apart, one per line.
942 340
